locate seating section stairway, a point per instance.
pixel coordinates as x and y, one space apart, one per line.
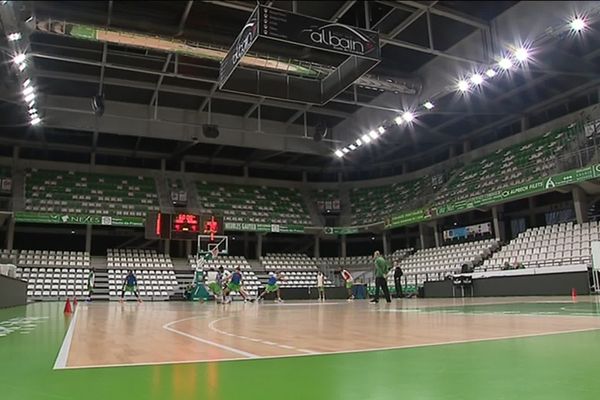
552 245
50 191
254 204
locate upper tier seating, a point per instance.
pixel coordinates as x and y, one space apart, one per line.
137 258
358 262
510 166
435 263
85 193
327 199
373 204
552 245
230 263
254 204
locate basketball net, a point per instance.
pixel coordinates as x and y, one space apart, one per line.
208 255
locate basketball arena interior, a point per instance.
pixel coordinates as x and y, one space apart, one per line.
299 200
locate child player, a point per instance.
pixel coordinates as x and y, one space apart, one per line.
130 285
349 282
235 285
272 286
214 282
321 285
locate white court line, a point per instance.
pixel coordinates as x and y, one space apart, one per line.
198 339
63 353
212 327
333 353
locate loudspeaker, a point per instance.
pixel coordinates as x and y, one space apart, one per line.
210 131
98 104
320 131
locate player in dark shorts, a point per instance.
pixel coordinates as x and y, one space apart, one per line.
130 285
272 286
235 285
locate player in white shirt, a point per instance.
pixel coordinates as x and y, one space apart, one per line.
321 285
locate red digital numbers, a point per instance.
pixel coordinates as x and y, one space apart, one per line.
211 227
186 223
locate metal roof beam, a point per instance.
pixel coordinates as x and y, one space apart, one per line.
342 11
449 13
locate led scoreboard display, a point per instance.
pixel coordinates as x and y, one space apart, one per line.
182 226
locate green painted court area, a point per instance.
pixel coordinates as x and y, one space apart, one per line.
584 309
563 366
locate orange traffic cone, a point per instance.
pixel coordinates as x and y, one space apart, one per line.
74 302
573 294
68 309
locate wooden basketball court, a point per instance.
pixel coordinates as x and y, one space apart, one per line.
108 334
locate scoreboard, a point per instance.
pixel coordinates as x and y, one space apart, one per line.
182 226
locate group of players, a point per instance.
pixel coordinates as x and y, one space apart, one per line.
222 283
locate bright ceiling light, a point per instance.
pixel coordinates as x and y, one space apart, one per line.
352 147
522 54
505 63
31 103
428 105
408 116
578 24
19 59
373 134
381 130
345 150
27 90
13 37
36 121
22 66
463 85
365 138
339 153
27 83
398 120
29 97
477 79
32 111
358 142
490 73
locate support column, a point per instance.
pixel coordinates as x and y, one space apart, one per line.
246 248
404 168
436 234
167 249
10 234
421 236
163 164
524 123
317 253
340 177
451 151
466 146
343 244
498 225
580 204
304 177
386 243
246 171
182 166
88 238
259 243
93 159
188 247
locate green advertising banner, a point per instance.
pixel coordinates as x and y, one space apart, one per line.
342 230
78 219
267 228
508 194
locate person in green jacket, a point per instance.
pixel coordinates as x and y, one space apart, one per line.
381 269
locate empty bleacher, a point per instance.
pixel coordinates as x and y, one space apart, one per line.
509 166
553 245
86 193
373 204
53 275
435 263
254 204
299 269
137 258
